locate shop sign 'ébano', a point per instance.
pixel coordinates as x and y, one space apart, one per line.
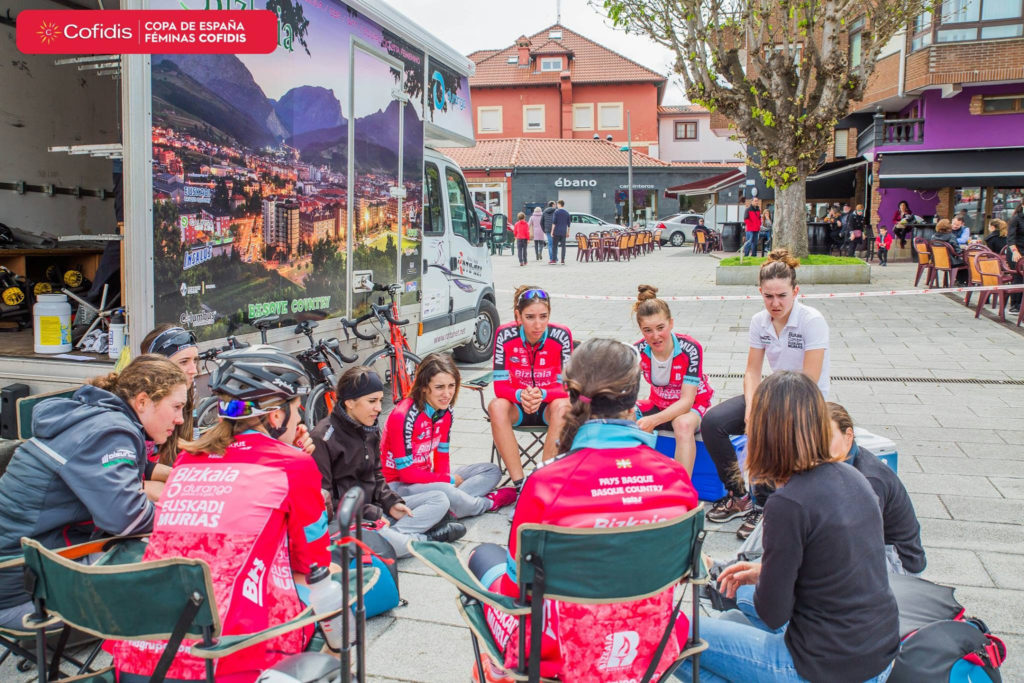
312 303
575 182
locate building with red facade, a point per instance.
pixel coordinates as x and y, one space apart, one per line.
556 106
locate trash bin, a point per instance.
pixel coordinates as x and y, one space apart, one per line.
732 236
818 238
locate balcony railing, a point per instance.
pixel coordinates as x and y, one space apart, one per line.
898 132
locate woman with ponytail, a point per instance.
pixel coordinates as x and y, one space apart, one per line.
245 498
790 336
673 365
81 475
599 442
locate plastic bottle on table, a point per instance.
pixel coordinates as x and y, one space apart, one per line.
324 597
115 335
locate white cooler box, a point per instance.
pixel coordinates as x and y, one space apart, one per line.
881 446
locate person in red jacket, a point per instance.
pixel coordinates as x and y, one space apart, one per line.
673 364
245 498
884 243
602 451
752 224
416 442
522 233
529 355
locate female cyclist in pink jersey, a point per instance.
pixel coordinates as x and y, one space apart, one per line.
599 441
529 355
417 438
245 499
673 364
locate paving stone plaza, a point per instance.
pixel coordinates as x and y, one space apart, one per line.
959 453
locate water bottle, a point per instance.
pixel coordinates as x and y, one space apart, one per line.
325 597
115 335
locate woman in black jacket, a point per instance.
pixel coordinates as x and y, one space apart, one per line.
818 606
347 451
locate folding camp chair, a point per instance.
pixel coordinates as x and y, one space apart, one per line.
17 641
170 599
583 566
529 453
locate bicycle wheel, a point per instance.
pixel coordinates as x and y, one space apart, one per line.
207 413
381 363
316 406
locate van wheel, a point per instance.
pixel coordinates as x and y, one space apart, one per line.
481 348
678 239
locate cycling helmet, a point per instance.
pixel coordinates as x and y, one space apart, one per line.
256 374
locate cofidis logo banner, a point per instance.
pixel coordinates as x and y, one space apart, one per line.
107 32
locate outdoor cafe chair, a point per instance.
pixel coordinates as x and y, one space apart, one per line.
580 566
944 261
631 245
924 262
990 268
657 238
973 276
700 241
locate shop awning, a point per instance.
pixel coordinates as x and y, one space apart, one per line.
834 180
715 183
966 168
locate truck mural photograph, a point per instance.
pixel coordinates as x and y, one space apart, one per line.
275 175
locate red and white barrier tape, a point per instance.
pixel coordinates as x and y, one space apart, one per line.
816 295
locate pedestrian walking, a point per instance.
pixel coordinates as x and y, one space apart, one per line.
884 243
537 230
521 230
547 221
559 231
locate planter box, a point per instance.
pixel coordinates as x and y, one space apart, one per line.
854 274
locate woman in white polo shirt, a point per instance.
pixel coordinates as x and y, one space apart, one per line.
792 337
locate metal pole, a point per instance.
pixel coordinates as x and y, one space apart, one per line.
629 176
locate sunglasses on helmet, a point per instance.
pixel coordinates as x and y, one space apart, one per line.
170 342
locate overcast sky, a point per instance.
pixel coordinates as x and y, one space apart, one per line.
469 25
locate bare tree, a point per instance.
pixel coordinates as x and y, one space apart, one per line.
780 70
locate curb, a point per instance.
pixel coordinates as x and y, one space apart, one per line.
853 274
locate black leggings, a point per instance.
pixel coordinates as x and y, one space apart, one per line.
722 421
485 560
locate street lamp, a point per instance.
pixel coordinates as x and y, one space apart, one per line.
628 147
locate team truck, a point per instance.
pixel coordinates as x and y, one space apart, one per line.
244 186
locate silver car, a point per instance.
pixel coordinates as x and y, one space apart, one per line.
585 223
677 229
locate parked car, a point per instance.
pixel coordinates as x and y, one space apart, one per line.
677 228
585 223
484 216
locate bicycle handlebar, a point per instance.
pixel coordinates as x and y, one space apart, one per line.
385 312
349 325
333 347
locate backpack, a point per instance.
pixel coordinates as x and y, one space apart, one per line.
938 643
384 594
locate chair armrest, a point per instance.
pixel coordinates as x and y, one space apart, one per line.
442 558
229 644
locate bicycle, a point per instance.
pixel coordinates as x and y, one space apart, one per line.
396 363
317 360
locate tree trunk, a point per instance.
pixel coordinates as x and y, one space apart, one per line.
790 229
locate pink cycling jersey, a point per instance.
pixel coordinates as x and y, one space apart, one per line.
519 364
687 369
254 515
613 477
415 444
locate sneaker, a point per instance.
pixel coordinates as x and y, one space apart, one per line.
552 263
729 507
446 533
492 672
749 522
499 498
